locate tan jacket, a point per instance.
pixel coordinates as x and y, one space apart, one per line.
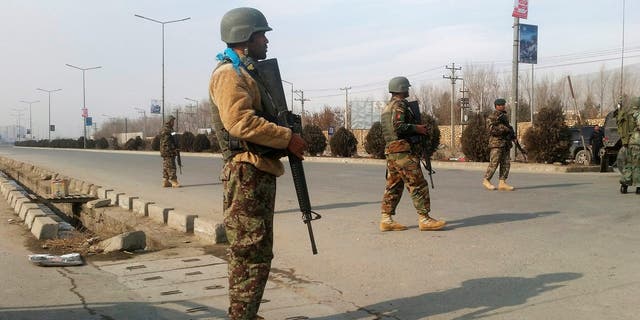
238 98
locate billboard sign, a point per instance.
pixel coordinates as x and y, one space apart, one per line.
528 44
155 106
520 9
88 121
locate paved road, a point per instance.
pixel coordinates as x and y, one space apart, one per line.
561 246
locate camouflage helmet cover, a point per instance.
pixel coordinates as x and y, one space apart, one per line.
399 84
239 24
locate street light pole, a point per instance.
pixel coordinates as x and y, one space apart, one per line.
49 92
84 100
30 128
162 23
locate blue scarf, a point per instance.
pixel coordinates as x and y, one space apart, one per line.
229 54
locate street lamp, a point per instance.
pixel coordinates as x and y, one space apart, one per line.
162 23
30 103
49 92
18 115
290 83
84 101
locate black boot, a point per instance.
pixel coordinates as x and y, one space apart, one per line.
623 188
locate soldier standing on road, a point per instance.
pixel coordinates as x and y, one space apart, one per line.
631 169
596 143
403 163
500 136
168 152
252 146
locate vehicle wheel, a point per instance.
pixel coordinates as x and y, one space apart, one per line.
583 157
623 188
604 163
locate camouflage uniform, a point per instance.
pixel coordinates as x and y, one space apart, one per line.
500 144
251 147
631 170
168 152
403 165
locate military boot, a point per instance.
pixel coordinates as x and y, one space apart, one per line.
175 184
166 183
487 184
504 186
387 224
426 223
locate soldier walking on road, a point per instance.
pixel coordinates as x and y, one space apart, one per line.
168 152
631 168
399 125
251 146
500 136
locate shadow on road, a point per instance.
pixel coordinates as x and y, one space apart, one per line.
200 185
331 206
113 311
479 296
559 185
496 218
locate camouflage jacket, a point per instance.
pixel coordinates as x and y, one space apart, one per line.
168 146
398 123
499 130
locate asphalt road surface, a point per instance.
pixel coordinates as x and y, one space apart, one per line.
562 246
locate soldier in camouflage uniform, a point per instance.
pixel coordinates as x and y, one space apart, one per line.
251 146
168 152
399 127
631 169
500 136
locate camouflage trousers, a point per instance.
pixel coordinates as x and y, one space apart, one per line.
404 169
631 169
498 157
169 168
249 199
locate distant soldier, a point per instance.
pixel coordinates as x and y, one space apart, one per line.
500 136
168 152
596 143
399 125
631 169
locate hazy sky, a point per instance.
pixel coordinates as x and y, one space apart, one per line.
321 46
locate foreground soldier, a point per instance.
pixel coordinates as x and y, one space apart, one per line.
168 152
500 136
251 147
631 169
403 163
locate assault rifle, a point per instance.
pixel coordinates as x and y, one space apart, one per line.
512 136
269 73
414 107
174 139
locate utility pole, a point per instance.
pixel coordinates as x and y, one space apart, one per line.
347 111
302 99
453 79
144 115
514 83
464 103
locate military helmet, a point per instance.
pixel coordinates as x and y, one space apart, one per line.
239 24
399 84
170 118
500 102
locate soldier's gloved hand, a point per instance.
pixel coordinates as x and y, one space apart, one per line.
297 145
421 129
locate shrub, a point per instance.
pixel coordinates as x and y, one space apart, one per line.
201 143
102 143
213 140
315 139
550 139
114 143
134 144
343 143
186 141
374 141
155 143
433 134
475 138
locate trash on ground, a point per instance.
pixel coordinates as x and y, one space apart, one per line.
71 259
